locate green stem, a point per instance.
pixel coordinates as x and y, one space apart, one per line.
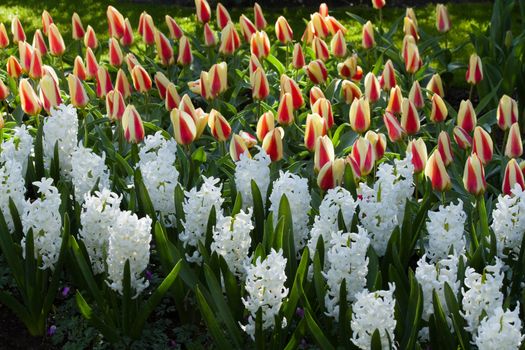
471 92
484 222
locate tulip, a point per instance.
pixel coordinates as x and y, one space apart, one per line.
230 40
412 15
46 21
395 100
378 4
462 138
285 110
17 30
378 142
308 34
334 25
411 56
474 176
331 175
260 21
418 149
320 49
273 144
122 84
466 116
4 91
247 27
90 38
437 173
410 28
26 52
315 94
315 128
289 85
91 63
48 70
147 28
338 45
265 124
104 84
115 22
164 49
201 120
352 163
320 27
482 145
56 43
348 68
35 68
162 82
248 139
219 78
185 56
187 106
442 18
253 65
522 167
475 70
388 78
115 105
210 39
141 79
368 36
409 117
219 126
127 37
223 17
4 38
445 148
416 95
435 85
49 93
203 11
132 125
360 115
507 113
358 74
260 44
184 128
324 152
394 129
260 86
175 31
372 89
28 99
115 53
298 60
513 175
283 31
238 147
323 10
439 110
363 154
77 29
172 98
131 61
14 69
514 146
323 107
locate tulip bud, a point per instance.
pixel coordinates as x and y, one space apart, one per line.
265 124
288 85
141 79
77 29
164 49
334 25
514 146
219 126
409 117
378 4
49 93
4 38
210 39
331 175
28 99
25 52
298 60
147 29
185 56
238 147
410 28
46 21
338 45
223 17
260 21
203 11
56 43
162 82
285 111
35 69
39 43
363 154
283 31
122 84
308 34
219 78
475 70
378 142
320 49
132 125
462 138
320 26
115 105
445 148
388 79
91 64
323 10
466 116
187 106
349 91
260 44
247 27
411 14
104 84
372 90
395 132
418 149
416 95
435 85
358 74
48 70
260 86
315 127
273 144
323 107
77 93
115 22
474 176
201 120
360 115
411 55
513 175
482 145
17 30
115 53
172 98
317 72
437 173
4 91
315 94
230 40
439 110
395 100
13 67
507 113
90 38
368 36
175 31
184 128
348 68
442 18
324 152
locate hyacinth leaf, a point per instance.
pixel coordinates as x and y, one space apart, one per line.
39 152
258 215
144 200
211 321
212 220
233 292
276 64
457 321
344 321
259 335
199 155
17 308
18 231
124 165
269 233
288 242
126 297
373 278
413 313
30 272
237 206
518 269
109 332
349 181
179 209
441 331
319 282
154 300
10 252
319 336
54 170
295 292
375 342
297 335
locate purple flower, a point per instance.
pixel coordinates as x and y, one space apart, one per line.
172 343
51 330
299 312
149 275
65 291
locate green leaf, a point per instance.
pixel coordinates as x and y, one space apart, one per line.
295 293
210 320
9 250
344 322
126 297
375 343
86 311
199 155
233 289
297 335
414 310
441 330
144 201
212 220
457 320
288 243
237 206
39 153
259 335
316 332
258 215
276 64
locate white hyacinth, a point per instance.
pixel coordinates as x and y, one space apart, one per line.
12 185
509 222
433 276
231 240
157 166
296 190
61 127
99 212
197 207
335 200
129 239
87 168
347 260
371 311
502 330
445 231
18 147
482 293
43 217
266 291
248 169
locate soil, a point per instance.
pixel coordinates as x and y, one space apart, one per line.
14 335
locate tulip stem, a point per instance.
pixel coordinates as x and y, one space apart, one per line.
258 109
471 92
484 222
146 96
286 50
380 21
443 198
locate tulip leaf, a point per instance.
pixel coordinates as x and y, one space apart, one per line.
276 64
